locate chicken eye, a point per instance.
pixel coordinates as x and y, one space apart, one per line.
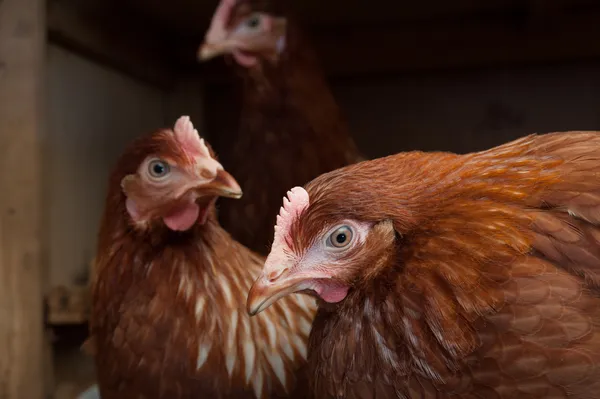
158 169
341 237
253 22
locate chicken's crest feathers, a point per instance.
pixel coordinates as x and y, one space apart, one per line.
294 203
189 138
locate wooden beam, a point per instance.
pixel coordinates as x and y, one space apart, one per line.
493 42
115 38
68 305
22 55
483 43
143 48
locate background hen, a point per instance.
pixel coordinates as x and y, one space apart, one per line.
168 298
440 275
291 129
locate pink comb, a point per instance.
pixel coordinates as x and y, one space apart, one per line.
218 24
189 138
296 201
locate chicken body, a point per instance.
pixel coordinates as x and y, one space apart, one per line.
447 276
168 315
291 129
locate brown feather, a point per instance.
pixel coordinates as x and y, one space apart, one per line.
490 281
168 317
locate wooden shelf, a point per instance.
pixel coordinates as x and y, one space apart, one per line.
68 305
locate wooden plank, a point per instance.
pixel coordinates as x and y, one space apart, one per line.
493 42
114 38
22 54
142 42
68 305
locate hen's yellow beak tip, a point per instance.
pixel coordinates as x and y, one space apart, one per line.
207 51
223 185
256 299
265 292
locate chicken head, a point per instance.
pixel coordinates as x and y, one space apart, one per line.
328 261
237 29
177 181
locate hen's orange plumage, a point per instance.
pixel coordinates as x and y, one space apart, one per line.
168 315
450 276
291 129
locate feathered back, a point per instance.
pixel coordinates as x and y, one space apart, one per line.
492 289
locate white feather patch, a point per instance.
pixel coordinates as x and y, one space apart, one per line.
203 355
289 351
232 343
277 365
305 326
185 286
200 303
249 356
258 383
227 291
257 349
271 332
288 319
300 345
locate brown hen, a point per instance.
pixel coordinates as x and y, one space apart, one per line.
447 276
291 129
168 315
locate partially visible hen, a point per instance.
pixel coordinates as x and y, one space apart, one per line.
449 276
291 129
168 317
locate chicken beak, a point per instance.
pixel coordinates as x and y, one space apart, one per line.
223 185
264 292
208 51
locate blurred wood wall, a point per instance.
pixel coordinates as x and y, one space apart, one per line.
22 45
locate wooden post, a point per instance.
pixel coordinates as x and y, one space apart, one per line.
22 55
